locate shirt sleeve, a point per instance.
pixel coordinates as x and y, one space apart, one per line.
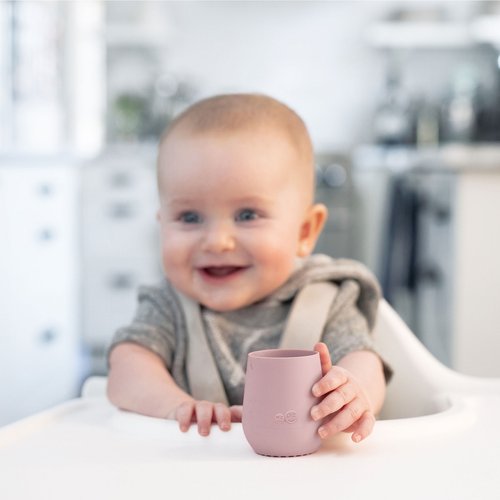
153 325
347 329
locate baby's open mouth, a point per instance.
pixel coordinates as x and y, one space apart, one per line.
221 271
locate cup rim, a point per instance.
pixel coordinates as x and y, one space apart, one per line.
282 353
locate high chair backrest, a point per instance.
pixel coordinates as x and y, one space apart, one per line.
419 379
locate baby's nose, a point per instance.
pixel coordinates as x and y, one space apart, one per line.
219 238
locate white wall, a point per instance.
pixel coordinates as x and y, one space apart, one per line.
312 55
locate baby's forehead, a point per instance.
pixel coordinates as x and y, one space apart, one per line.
254 167
260 134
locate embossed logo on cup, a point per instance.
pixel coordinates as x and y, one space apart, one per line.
290 417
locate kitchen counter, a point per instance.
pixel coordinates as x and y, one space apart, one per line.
87 449
447 202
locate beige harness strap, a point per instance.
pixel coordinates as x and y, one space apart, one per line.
308 316
203 376
303 329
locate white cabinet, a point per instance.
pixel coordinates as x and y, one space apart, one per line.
40 363
459 289
459 260
120 241
476 328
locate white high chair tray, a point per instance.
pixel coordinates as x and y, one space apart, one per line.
86 449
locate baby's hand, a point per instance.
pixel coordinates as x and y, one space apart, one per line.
205 413
344 404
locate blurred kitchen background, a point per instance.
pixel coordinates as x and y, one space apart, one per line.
402 100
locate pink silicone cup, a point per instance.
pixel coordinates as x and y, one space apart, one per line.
277 402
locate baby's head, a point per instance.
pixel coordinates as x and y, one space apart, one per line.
236 184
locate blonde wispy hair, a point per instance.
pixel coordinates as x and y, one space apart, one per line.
237 112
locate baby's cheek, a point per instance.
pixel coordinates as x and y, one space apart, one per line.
172 260
281 261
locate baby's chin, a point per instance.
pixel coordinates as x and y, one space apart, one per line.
225 306
225 300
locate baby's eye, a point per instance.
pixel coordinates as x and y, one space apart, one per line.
247 214
190 217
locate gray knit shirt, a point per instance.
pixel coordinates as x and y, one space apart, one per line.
159 323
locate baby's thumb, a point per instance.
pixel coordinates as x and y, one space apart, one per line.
324 357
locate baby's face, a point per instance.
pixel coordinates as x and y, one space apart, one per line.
232 210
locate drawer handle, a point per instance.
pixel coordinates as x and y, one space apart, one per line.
120 180
48 336
46 234
45 190
121 210
121 281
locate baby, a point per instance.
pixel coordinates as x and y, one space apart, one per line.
238 226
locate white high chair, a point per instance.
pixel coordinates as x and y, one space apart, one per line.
439 440
421 385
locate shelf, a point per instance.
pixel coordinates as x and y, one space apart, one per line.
420 35
486 29
133 36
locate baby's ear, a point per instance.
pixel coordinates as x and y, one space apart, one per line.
311 229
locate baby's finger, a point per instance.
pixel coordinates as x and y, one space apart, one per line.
363 427
222 416
334 401
184 415
324 357
204 413
335 377
346 417
236 413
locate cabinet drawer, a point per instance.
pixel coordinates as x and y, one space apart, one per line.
110 295
39 356
119 211
40 363
106 236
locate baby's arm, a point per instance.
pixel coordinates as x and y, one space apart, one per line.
352 393
138 381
